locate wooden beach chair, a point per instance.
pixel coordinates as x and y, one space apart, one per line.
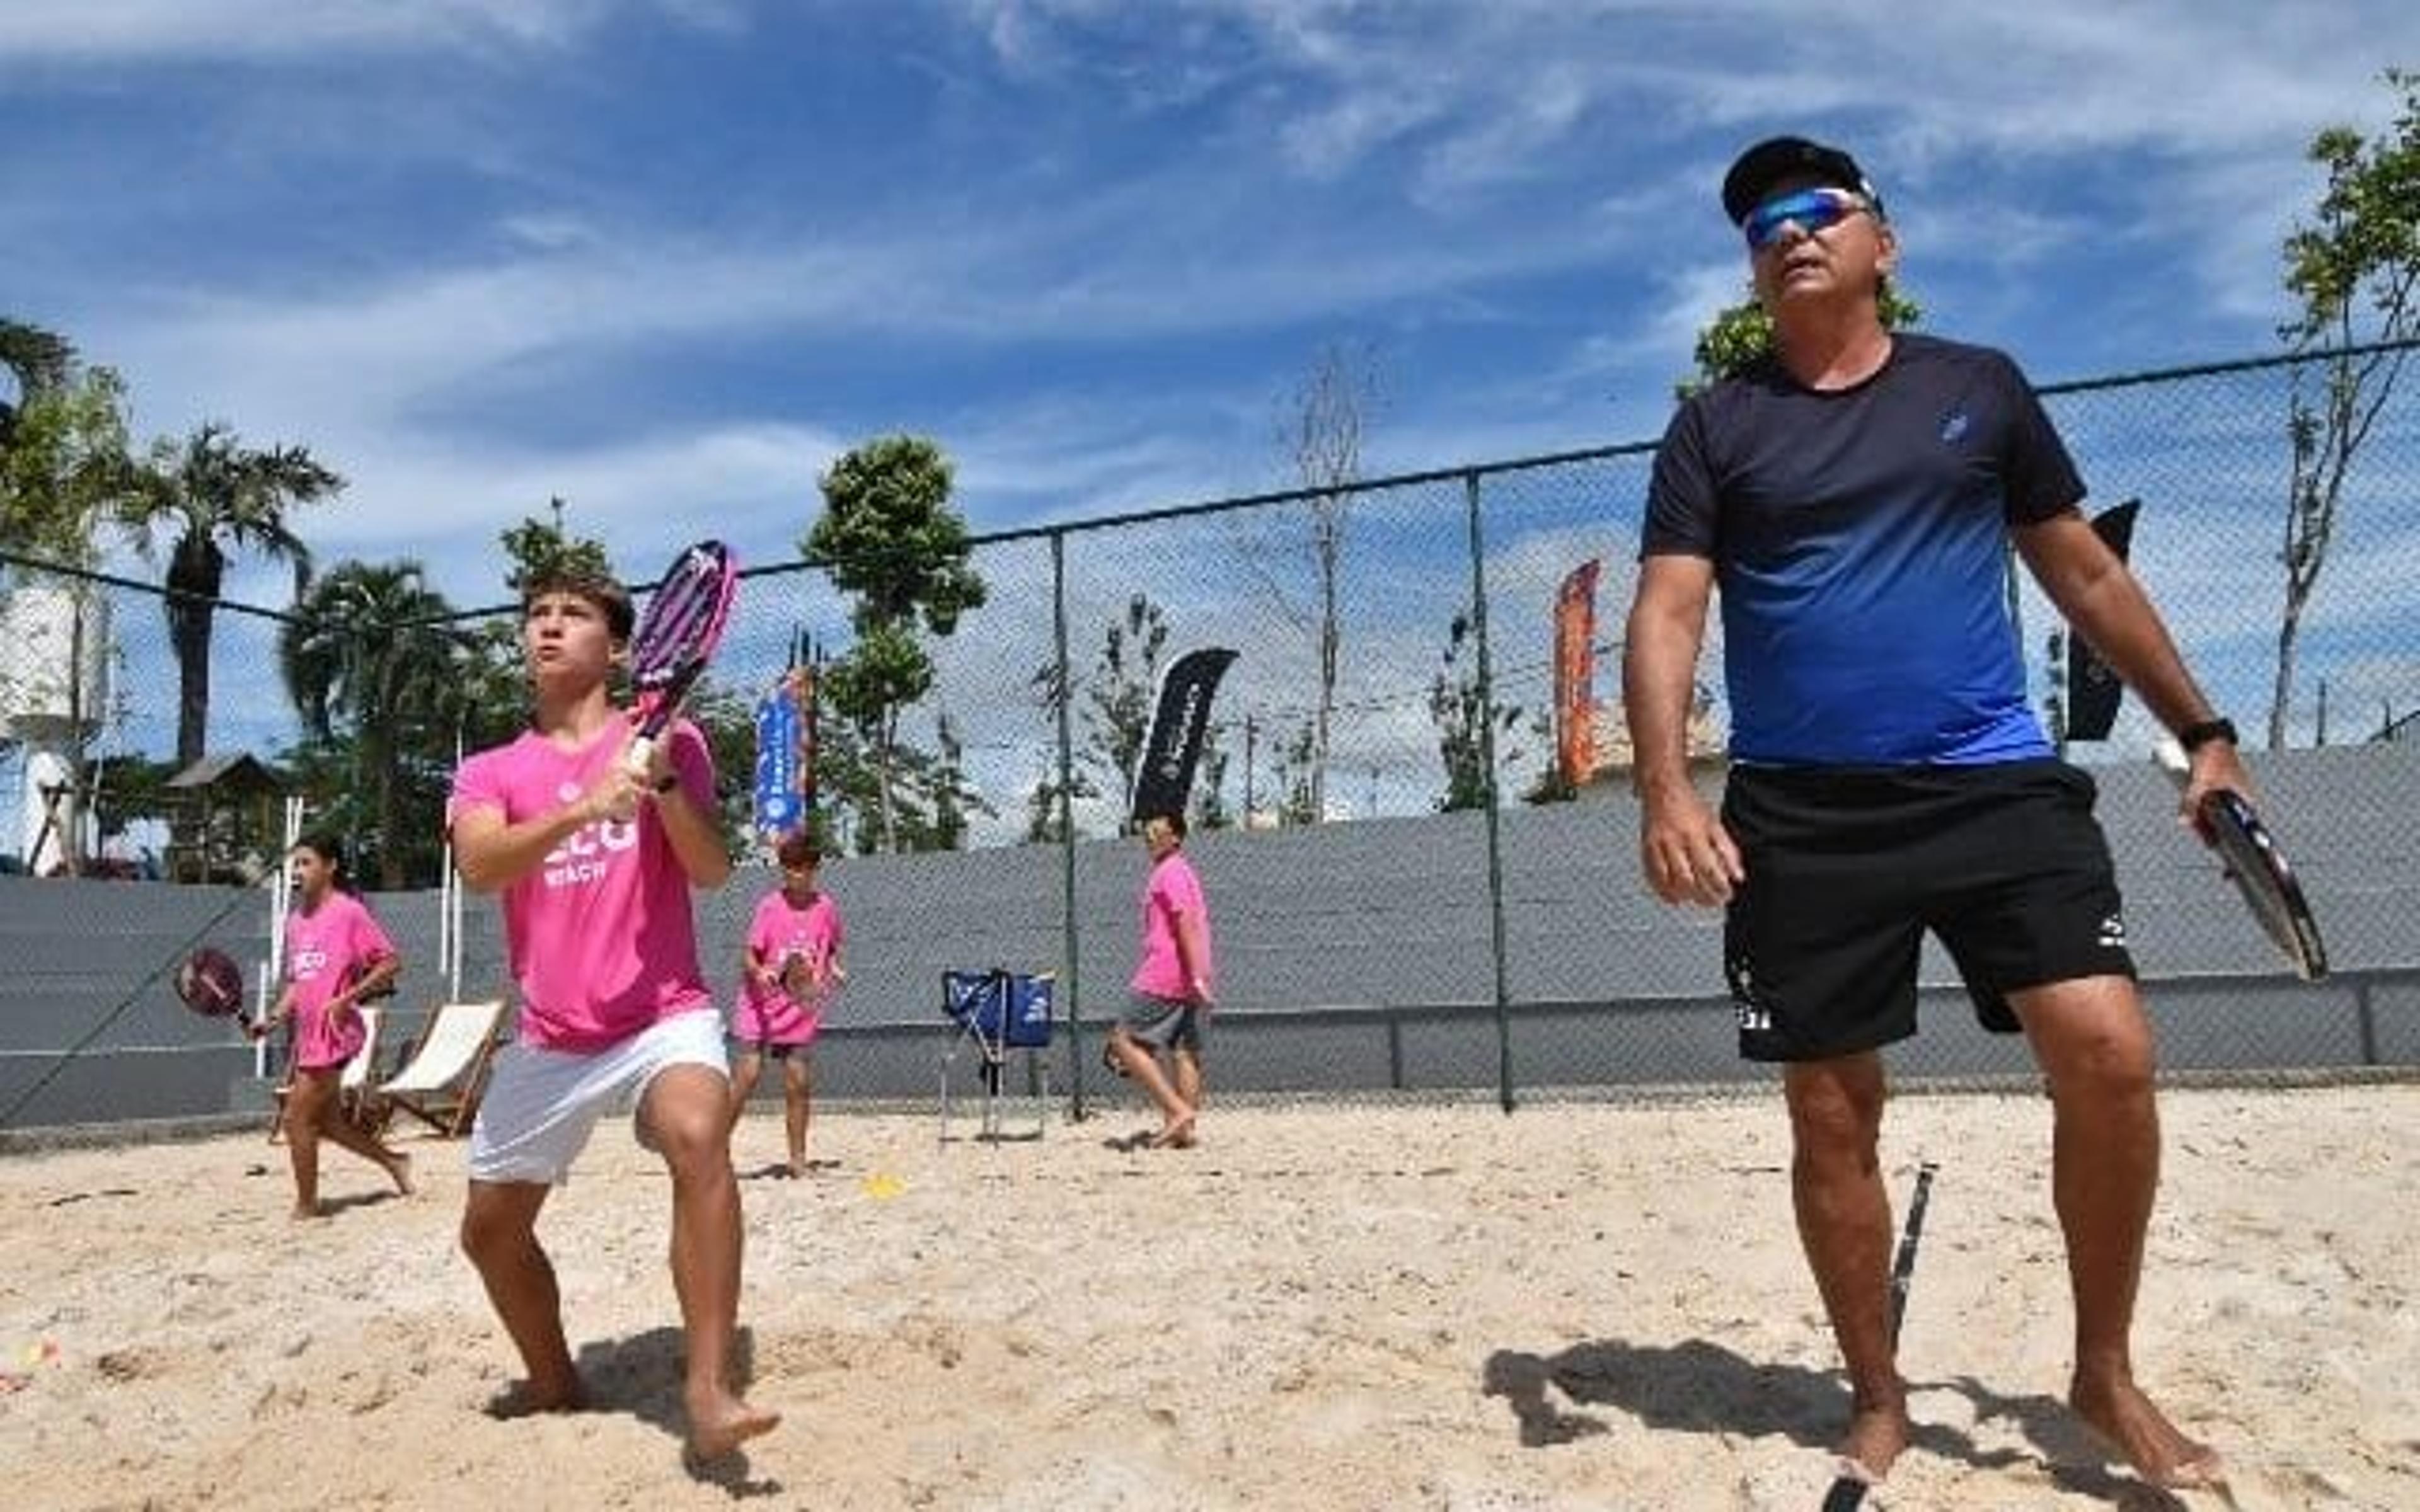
440 1081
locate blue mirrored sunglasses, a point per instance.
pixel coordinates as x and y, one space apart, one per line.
1810 210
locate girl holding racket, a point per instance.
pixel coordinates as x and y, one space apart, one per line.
336 958
593 854
789 967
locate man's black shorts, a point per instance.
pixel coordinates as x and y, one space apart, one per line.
1848 866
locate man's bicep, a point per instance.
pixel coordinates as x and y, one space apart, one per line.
1674 586
2065 555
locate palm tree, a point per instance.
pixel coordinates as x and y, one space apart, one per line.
373 651
216 495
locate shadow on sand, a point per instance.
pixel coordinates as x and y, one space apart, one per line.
1697 1387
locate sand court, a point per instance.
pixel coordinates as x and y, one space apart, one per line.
1579 1305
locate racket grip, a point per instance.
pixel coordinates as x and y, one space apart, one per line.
642 751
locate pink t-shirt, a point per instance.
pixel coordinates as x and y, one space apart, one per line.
1170 892
327 950
599 933
778 932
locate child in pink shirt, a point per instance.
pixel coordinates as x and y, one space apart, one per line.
1172 989
789 967
337 957
596 862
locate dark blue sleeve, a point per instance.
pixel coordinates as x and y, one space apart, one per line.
1681 512
2042 479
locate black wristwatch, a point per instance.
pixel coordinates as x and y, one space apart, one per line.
2192 737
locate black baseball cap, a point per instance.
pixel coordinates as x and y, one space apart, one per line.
1752 177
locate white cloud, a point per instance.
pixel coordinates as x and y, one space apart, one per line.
167 30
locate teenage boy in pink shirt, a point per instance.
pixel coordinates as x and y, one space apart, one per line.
595 863
1172 986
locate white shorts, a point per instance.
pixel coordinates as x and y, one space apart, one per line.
541 1105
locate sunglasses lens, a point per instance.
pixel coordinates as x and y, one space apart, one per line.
1810 210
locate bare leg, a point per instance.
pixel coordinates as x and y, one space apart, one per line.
2095 1048
686 1112
306 1099
500 1235
1844 1223
1189 1090
327 1097
797 1105
743 1085
1175 1114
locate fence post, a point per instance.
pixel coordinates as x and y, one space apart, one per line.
1487 758
1070 937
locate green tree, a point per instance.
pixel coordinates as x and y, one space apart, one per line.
375 668
1115 707
1291 768
37 360
1459 708
888 536
1741 336
2353 270
64 464
544 548
210 493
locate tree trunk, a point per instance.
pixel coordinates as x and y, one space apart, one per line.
890 725
2289 626
196 569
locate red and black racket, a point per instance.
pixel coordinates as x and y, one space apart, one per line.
676 636
2232 827
209 983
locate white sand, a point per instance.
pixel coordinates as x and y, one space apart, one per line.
1428 1307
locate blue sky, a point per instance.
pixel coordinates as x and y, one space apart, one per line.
665 257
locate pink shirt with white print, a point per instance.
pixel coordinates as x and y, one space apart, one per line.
1172 892
599 934
778 931
327 950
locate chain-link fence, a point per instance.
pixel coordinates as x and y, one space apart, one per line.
1408 891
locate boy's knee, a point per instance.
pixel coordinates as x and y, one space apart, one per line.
486 1236
693 1139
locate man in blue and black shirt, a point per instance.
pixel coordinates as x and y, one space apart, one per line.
1854 497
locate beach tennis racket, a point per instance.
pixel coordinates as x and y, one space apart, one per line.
2258 867
799 978
209 983
1848 1491
676 637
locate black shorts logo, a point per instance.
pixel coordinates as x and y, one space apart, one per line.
1755 1017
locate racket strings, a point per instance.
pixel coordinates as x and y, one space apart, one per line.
682 618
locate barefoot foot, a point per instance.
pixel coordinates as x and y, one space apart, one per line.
527 1398
723 1422
2126 1426
1878 1433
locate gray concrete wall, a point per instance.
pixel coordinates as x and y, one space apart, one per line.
1353 957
